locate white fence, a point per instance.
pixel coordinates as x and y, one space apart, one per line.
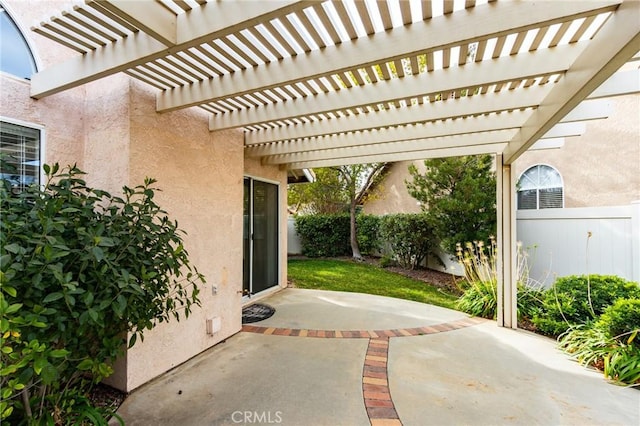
576 241
294 246
558 242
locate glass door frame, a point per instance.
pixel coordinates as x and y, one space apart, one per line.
248 260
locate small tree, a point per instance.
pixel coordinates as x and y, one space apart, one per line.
338 189
458 194
325 195
357 181
80 270
409 236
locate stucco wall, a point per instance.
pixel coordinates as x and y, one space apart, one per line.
599 168
392 195
110 128
200 175
107 130
63 137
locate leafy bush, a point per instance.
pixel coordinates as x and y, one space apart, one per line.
81 270
328 235
324 235
575 300
368 227
480 298
621 319
458 195
386 262
588 345
593 345
409 236
622 363
480 287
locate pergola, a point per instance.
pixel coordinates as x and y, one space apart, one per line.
324 83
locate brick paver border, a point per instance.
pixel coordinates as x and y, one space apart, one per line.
375 381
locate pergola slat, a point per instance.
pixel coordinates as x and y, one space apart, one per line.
192 29
505 120
287 69
431 111
365 17
495 71
617 41
365 53
466 140
450 151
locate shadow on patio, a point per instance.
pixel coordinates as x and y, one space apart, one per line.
330 358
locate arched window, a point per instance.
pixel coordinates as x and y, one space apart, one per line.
540 187
15 54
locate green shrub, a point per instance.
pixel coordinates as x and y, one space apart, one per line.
409 236
480 298
622 363
480 289
621 319
323 235
592 345
587 344
368 227
80 271
386 262
575 300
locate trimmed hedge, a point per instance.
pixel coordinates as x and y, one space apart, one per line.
409 236
368 227
570 301
328 235
621 319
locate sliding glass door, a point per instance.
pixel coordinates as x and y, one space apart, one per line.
260 236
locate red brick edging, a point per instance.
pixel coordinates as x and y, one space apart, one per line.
375 384
364 334
375 381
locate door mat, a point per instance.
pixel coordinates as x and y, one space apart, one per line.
256 312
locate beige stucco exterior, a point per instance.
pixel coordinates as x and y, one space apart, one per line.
111 129
391 195
598 168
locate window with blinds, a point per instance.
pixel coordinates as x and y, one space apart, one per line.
540 187
20 152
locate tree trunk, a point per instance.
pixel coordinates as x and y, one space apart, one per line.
354 240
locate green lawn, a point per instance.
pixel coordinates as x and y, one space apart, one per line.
338 275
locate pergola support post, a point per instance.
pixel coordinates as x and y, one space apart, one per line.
507 251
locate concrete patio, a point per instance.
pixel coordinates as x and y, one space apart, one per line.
330 358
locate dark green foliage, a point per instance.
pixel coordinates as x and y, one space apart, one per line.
621 319
324 235
368 233
458 194
596 344
577 300
85 268
410 238
530 301
480 299
328 235
386 261
326 195
337 190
